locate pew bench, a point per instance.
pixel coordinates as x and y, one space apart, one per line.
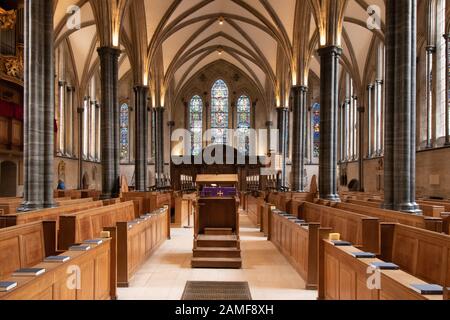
137 241
50 214
299 244
77 227
344 277
422 253
423 222
95 281
26 245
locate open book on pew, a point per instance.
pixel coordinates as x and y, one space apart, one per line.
28 272
57 259
6 286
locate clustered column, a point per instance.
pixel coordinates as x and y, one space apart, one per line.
329 74
141 137
400 137
283 131
39 90
447 90
159 141
110 161
299 140
369 120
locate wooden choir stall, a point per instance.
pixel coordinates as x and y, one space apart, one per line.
216 223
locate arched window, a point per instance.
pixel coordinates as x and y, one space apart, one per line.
124 132
316 129
219 112
196 124
243 124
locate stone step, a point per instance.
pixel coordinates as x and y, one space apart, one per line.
219 263
218 231
217 252
217 241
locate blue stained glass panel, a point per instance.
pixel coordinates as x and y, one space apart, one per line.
219 112
196 124
243 124
316 129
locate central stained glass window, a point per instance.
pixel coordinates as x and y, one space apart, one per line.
219 112
243 124
196 124
316 130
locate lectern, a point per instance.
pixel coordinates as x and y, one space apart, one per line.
216 223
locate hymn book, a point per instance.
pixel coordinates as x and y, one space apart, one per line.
80 248
428 289
6 286
28 272
57 259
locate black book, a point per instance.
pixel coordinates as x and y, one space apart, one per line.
93 241
7 285
385 265
28 272
428 289
80 248
57 259
363 255
340 243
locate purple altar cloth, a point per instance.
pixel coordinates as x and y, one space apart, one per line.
218 192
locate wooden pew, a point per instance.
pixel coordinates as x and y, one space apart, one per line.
94 194
252 209
299 244
427 209
184 210
95 279
422 253
265 210
77 227
344 277
51 214
72 194
429 223
10 205
362 230
136 242
25 245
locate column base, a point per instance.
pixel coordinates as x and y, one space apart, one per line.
330 197
409 207
30 206
51 204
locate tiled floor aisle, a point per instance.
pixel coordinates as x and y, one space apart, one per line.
270 276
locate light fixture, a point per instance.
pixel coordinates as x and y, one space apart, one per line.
221 21
220 50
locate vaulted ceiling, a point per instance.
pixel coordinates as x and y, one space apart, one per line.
183 36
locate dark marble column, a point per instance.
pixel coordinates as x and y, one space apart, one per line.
141 137
159 141
283 134
109 58
400 141
39 95
299 94
447 90
329 103
429 85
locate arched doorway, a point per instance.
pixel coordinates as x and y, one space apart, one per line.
8 179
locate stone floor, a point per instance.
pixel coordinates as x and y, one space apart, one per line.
269 274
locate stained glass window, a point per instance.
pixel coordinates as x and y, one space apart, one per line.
196 124
124 132
243 124
316 129
219 112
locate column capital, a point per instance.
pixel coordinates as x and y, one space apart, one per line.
62 83
103 51
282 109
446 36
139 87
379 81
269 123
370 86
300 88
330 50
430 48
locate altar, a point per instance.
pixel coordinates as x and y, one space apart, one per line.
216 223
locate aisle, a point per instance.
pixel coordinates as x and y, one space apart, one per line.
270 276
